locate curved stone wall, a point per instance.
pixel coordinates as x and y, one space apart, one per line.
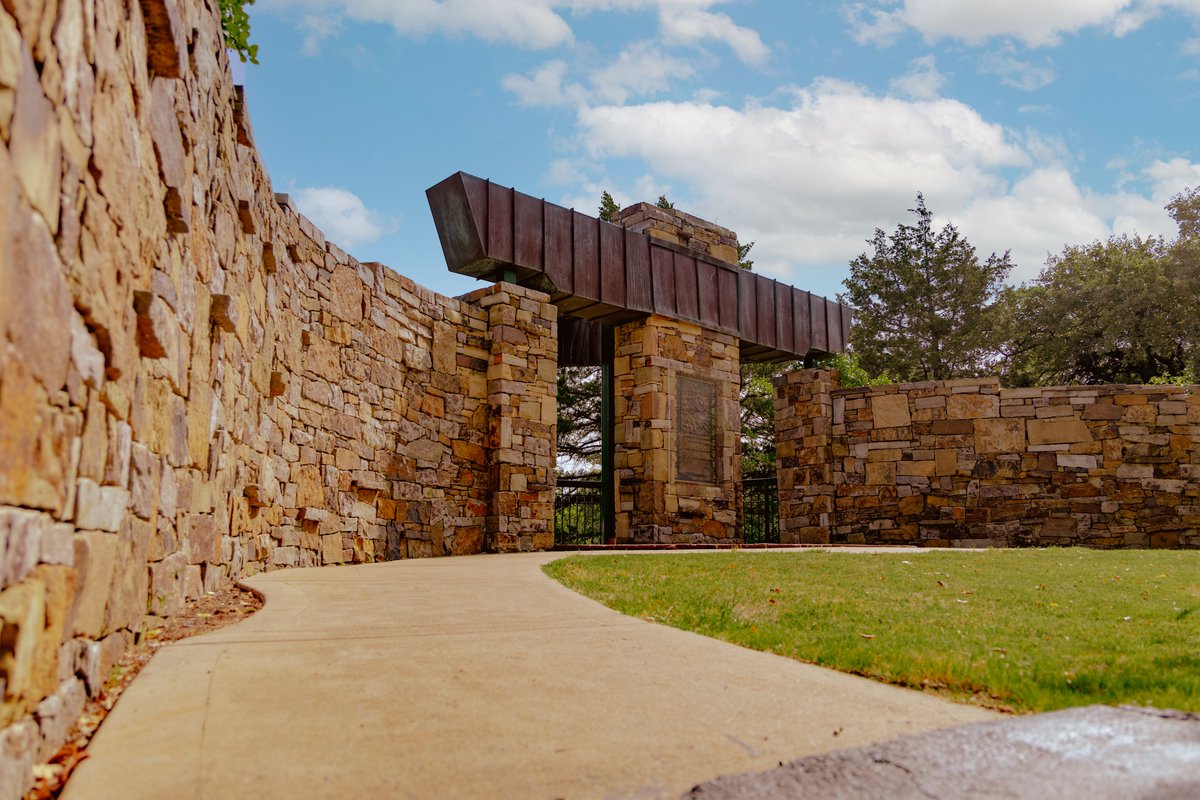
194 384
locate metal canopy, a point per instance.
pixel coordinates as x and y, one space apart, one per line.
600 272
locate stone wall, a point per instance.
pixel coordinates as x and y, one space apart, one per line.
966 463
194 384
658 499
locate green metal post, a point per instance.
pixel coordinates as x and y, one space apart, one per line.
608 506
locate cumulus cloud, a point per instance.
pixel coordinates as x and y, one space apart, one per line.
342 216
1015 72
526 23
639 70
809 179
545 86
316 30
694 26
1036 23
923 81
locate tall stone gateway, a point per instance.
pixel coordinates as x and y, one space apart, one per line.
656 298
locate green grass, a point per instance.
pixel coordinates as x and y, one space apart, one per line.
1021 630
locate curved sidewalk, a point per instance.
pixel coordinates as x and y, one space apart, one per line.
469 677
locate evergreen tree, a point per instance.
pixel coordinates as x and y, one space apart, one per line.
608 207
924 303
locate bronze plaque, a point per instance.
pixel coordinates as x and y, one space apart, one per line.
696 430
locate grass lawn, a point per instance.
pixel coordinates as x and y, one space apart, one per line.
1022 630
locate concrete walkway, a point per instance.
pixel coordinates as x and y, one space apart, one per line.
469 677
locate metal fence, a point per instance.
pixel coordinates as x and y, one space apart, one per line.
578 516
760 509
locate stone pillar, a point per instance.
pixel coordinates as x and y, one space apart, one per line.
678 433
681 228
804 454
678 408
522 390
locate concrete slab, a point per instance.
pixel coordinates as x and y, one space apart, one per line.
469 677
1097 752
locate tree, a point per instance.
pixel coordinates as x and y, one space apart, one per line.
1118 311
663 202
924 303
608 207
743 250
578 431
235 24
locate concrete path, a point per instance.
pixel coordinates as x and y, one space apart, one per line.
469 677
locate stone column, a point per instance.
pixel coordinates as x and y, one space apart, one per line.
678 433
522 389
804 454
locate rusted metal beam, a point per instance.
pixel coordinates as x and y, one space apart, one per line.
597 271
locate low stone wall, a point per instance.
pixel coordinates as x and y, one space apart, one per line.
194 384
966 463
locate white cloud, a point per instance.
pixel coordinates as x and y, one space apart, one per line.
1036 23
923 81
316 30
640 69
810 179
1014 72
526 23
342 216
694 25
546 86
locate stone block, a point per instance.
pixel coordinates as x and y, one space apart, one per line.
58 545
1060 430
34 454
921 469
166 43
95 558
946 462
35 144
890 410
1004 435
21 535
18 752
100 508
199 531
972 406
167 585
881 472
56 714
23 619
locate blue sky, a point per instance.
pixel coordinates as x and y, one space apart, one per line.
803 126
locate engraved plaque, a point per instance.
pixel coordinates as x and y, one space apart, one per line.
695 430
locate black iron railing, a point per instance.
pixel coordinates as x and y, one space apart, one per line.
760 509
578 513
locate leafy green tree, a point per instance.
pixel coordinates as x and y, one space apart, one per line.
235 24
663 202
1118 311
608 207
743 250
924 303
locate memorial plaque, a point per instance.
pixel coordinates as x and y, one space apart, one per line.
696 430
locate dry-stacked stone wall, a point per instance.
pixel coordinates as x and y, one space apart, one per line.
194 385
966 463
